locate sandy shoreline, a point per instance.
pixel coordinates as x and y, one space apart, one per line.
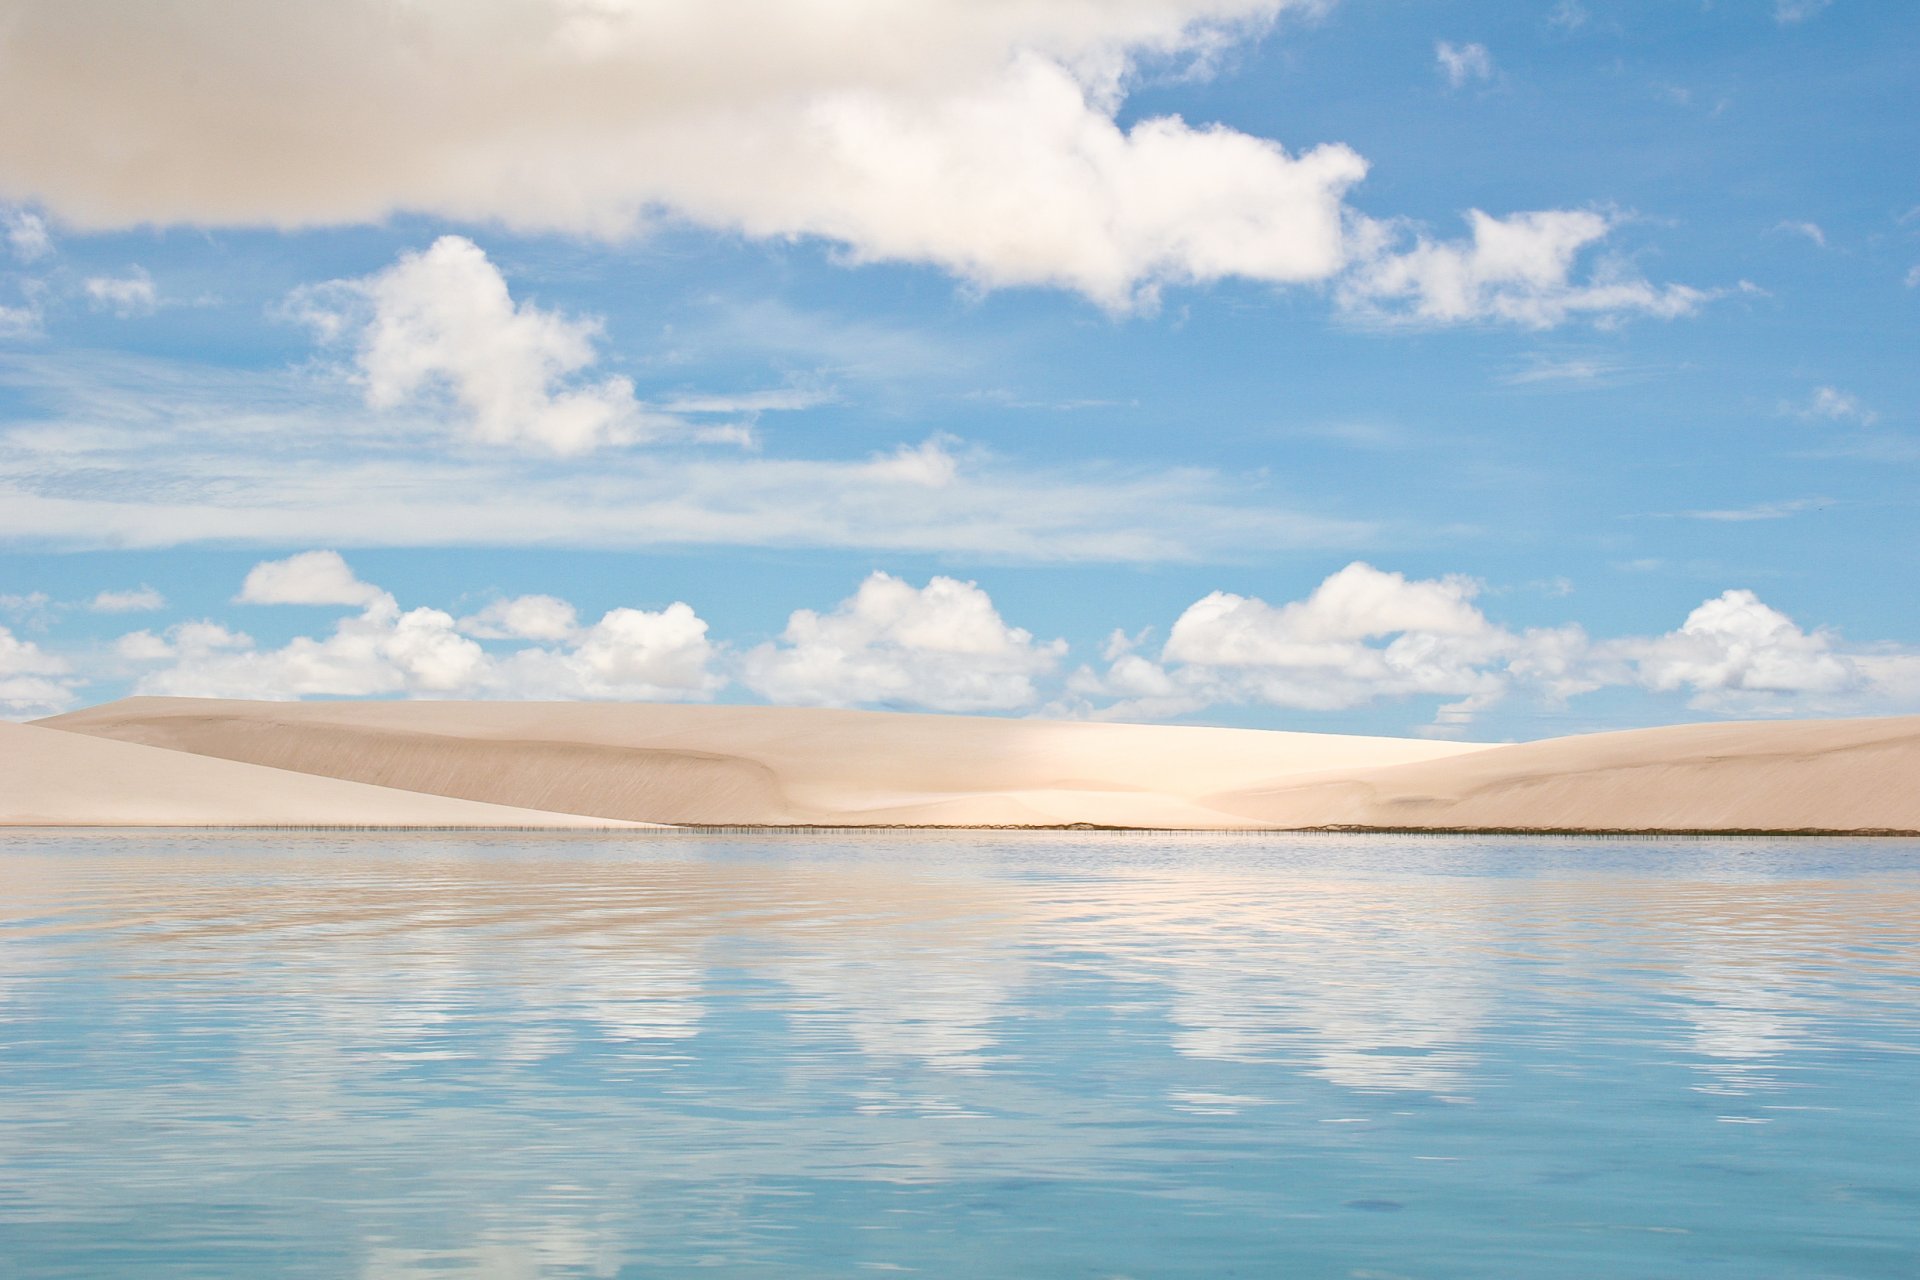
583 766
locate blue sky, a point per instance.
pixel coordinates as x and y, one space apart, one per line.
1558 374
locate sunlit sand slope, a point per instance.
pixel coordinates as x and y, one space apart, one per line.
757 765
1823 775
66 779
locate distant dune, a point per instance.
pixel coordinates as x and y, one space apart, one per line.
1793 775
51 779
766 766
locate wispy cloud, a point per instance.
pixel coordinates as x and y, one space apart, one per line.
26 233
1831 404
1811 230
1580 370
1789 12
1524 269
1461 63
141 453
1760 511
132 294
1569 15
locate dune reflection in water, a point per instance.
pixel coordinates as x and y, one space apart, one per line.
997 1054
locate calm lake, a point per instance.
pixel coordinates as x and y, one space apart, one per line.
970 1055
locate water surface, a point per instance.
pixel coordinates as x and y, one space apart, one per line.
957 1055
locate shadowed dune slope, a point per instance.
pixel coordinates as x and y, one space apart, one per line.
64 779
755 765
1821 775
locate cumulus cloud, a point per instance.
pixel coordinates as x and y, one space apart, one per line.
524 618
386 651
311 577
630 653
141 599
982 139
942 646
1460 63
33 682
1735 646
126 296
1365 636
978 137
1516 270
1362 635
441 323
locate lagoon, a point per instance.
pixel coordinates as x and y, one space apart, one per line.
957 1054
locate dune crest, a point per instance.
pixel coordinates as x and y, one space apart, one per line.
584 763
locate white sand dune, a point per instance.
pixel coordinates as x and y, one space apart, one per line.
767 766
774 766
52 779
1793 775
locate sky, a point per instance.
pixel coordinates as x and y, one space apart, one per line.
1476 370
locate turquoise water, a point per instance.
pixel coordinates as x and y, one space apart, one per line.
957 1055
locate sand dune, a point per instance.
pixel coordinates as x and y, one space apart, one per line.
1818 775
51 779
767 766
755 765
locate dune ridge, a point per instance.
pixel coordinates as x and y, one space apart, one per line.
804 767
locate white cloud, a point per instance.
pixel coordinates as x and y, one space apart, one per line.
928 464
1365 636
136 453
26 233
1578 369
943 646
19 322
32 681
633 654
311 577
1736 653
441 322
142 599
524 618
126 296
386 651
1568 15
1834 405
978 137
381 652
36 608
1361 635
1788 12
1517 270
1811 230
1759 511
1463 62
